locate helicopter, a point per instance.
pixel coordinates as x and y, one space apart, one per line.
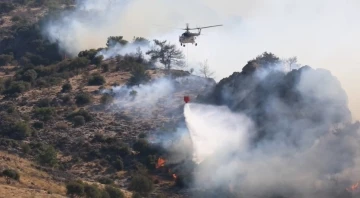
190 37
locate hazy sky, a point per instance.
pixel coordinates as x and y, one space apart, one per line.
321 33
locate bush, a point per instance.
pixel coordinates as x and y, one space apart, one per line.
75 188
138 75
20 131
45 102
38 125
105 68
118 164
78 121
143 146
6 7
83 99
136 195
11 174
16 87
44 113
106 99
25 148
141 184
92 191
87 116
114 192
5 59
105 180
66 87
96 80
30 75
48 157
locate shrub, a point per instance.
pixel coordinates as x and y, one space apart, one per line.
105 67
61 126
92 191
116 149
97 60
87 116
48 156
141 184
11 174
5 59
16 87
66 87
45 102
96 80
136 195
142 135
105 180
25 148
75 188
143 146
44 113
118 164
83 99
138 75
30 75
38 125
114 192
20 131
106 99
6 7
78 120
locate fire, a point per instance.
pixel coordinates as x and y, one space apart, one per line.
354 187
160 163
174 176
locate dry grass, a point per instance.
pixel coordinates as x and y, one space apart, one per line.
33 183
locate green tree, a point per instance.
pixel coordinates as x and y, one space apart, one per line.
138 75
113 40
167 54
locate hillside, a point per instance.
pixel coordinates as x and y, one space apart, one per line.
105 123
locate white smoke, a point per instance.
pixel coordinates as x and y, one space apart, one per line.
144 99
310 30
303 159
119 49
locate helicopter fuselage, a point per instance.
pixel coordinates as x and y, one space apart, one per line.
188 37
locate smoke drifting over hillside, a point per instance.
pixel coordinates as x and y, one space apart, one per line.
281 145
320 33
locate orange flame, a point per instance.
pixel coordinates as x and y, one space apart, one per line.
160 163
354 187
174 176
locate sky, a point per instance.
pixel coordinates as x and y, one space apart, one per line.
321 33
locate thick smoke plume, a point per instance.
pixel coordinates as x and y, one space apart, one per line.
310 30
292 139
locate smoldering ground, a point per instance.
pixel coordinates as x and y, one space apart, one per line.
302 148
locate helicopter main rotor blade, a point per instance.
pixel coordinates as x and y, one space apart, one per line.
208 26
203 27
